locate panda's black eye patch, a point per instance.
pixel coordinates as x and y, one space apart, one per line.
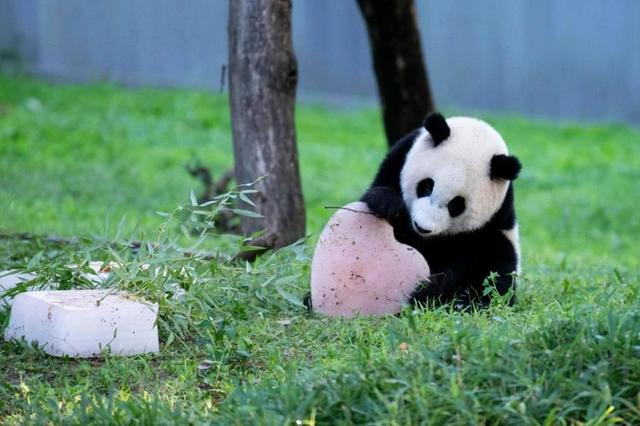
425 187
456 206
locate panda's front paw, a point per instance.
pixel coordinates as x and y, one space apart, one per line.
384 203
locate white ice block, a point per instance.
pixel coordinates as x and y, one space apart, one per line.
84 323
10 279
101 271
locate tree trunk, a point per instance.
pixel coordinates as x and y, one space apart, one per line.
262 83
403 85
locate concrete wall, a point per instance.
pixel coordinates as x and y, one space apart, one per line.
6 26
571 59
564 58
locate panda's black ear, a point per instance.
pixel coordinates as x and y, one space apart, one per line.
437 126
505 167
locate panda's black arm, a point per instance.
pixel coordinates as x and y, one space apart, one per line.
385 202
389 171
384 197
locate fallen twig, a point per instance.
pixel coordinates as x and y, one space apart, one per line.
348 209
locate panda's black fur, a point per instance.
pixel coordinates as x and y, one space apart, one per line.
461 263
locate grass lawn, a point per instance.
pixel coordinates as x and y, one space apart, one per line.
98 162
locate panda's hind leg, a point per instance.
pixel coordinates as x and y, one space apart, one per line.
437 290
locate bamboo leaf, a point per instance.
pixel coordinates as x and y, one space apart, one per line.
290 297
247 213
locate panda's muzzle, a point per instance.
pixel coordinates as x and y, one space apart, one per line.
420 229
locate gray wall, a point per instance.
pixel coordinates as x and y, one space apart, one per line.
571 59
565 58
6 30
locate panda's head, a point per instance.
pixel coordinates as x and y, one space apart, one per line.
456 175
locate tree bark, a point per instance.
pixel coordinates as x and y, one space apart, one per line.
262 84
403 84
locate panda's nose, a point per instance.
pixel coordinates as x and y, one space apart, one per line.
420 229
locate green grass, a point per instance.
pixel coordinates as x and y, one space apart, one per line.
75 160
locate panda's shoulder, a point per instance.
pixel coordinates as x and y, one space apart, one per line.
389 171
397 155
406 142
505 217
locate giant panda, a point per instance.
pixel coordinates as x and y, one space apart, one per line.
445 191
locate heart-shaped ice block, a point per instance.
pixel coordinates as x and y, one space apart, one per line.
359 267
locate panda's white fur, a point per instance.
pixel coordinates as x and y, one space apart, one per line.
513 235
460 166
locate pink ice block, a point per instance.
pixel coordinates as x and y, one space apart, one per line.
359 267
